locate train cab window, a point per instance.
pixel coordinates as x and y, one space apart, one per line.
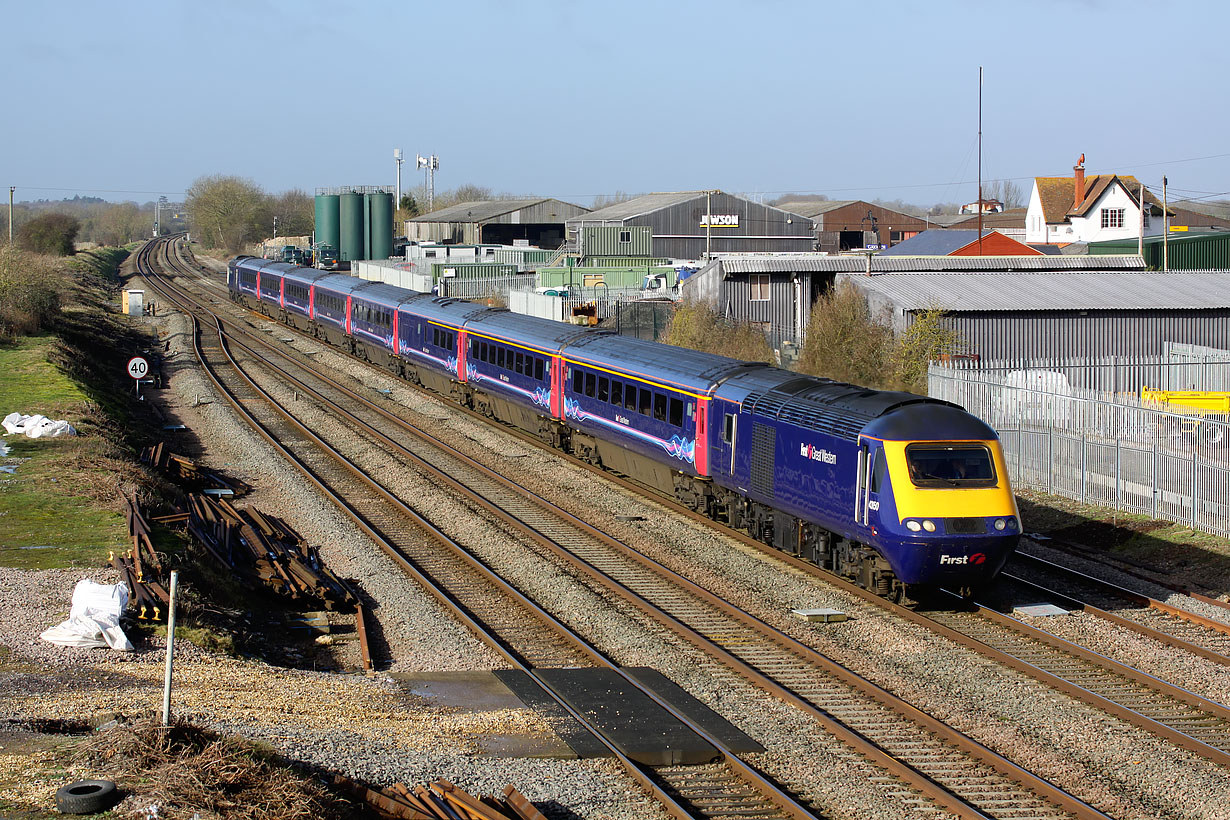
590 385
728 428
578 381
604 388
659 407
630 398
617 393
538 368
676 416
950 465
646 404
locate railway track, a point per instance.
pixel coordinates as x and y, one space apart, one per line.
1172 625
518 630
927 756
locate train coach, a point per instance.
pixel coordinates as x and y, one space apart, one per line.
897 491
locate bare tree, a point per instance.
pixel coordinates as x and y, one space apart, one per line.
226 211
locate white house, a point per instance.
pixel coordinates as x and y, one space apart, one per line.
1063 210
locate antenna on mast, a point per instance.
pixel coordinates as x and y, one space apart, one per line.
979 205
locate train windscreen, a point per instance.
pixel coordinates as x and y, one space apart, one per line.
950 465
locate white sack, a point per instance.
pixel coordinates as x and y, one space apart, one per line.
37 426
94 620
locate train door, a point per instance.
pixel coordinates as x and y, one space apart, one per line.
723 418
872 468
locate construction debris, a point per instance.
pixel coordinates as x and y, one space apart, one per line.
439 800
191 475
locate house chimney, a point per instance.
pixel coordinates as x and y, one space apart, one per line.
1080 182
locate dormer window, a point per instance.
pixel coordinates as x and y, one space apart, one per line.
1112 217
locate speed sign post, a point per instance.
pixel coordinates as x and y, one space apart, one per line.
138 367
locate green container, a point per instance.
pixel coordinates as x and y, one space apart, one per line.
381 225
328 219
587 277
617 240
350 242
471 270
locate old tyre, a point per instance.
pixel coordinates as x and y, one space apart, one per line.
87 797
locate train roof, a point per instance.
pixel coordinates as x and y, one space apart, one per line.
687 369
305 275
529 330
381 293
341 283
445 310
843 410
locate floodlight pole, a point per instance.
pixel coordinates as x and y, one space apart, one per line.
397 160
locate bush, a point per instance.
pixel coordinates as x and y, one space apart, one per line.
52 234
29 293
699 327
845 342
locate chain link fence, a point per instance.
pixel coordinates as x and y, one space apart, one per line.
1097 447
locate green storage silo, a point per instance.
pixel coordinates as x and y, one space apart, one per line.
328 220
350 240
380 210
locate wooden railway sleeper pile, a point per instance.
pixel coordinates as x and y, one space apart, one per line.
439 800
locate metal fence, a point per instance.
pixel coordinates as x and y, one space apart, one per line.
1100 447
1180 367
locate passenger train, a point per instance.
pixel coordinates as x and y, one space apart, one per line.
895 491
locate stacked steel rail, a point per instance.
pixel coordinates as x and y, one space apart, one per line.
141 567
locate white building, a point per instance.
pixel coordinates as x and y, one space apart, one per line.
1063 210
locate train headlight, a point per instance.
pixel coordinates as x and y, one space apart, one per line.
913 526
1000 523
929 525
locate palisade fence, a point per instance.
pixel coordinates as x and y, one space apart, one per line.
1101 446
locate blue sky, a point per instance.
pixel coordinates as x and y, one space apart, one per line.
855 100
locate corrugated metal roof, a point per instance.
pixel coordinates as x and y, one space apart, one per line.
478 211
1016 291
908 264
644 204
813 208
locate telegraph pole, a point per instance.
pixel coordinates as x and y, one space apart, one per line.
12 188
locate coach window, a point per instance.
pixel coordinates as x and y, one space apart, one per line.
578 381
659 407
590 385
646 404
501 357
676 417
520 362
538 368
630 398
604 388
617 393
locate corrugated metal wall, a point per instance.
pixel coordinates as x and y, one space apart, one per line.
678 233
1091 334
605 241
777 316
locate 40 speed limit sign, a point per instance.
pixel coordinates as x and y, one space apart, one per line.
138 367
